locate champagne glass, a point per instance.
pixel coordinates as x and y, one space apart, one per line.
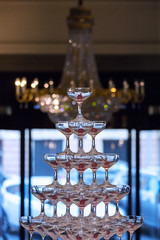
94 228
79 95
26 222
51 229
55 160
108 227
81 161
82 197
108 161
63 233
108 194
67 163
52 233
80 126
51 160
122 191
66 196
56 194
108 232
120 228
80 129
38 226
98 126
133 223
51 193
95 163
96 198
93 222
78 231
37 191
63 127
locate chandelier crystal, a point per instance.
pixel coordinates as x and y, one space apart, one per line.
80 70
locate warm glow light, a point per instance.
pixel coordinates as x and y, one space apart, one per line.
23 83
36 82
42 104
46 85
120 142
56 101
51 82
56 107
113 90
103 102
141 84
48 101
37 99
33 85
18 82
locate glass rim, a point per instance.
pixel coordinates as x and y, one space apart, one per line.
79 88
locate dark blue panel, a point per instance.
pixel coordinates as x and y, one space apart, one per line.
41 147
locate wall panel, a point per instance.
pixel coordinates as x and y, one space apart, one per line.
39 27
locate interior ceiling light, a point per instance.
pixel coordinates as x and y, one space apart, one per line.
80 70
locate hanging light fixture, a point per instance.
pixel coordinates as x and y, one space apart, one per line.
80 70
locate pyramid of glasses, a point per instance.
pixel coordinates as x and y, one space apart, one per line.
69 227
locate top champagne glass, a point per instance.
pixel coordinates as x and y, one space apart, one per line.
79 95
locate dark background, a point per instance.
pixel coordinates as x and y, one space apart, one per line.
44 67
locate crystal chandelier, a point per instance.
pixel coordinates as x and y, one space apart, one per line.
80 70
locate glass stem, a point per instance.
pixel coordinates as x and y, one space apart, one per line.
93 210
80 143
106 175
42 207
94 177
130 236
117 207
93 142
81 212
80 178
119 238
55 175
67 143
68 178
55 210
67 210
30 236
80 109
106 210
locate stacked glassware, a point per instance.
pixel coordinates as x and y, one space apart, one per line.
69 227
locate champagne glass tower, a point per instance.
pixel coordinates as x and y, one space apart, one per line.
81 227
